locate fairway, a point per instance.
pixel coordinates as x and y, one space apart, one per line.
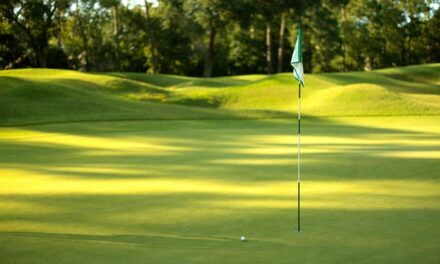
185 191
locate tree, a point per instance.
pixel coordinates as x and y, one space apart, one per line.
114 6
416 14
432 38
81 16
281 43
267 11
13 53
211 17
295 10
151 38
217 37
33 20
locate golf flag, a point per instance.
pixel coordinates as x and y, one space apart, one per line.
296 62
298 73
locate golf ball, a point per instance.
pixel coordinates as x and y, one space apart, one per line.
243 238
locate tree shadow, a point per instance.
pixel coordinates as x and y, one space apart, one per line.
256 150
166 81
397 82
131 227
226 179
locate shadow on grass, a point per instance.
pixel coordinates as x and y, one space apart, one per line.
386 236
165 80
397 82
222 179
234 150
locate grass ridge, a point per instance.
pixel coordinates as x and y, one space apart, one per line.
47 95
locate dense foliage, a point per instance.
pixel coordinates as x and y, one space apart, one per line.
217 37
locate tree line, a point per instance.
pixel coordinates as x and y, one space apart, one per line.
217 37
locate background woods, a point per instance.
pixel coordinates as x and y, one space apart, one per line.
217 37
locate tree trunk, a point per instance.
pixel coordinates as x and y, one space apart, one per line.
152 39
408 53
40 47
83 37
343 47
344 63
281 43
116 36
59 26
85 46
209 55
309 58
41 57
360 62
252 31
268 48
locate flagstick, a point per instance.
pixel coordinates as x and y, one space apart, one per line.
299 157
298 73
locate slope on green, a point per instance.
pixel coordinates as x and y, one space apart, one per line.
41 95
338 94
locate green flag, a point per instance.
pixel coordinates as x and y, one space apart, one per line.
296 62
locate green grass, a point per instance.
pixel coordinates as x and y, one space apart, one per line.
33 96
179 168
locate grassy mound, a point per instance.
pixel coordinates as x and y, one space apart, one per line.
404 91
45 96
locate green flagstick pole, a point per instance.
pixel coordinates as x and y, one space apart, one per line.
299 157
298 73
299 140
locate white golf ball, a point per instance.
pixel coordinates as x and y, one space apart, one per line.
243 238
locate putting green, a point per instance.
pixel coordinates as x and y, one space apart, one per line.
207 161
186 191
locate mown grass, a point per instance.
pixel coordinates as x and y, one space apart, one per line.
178 168
38 95
185 191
